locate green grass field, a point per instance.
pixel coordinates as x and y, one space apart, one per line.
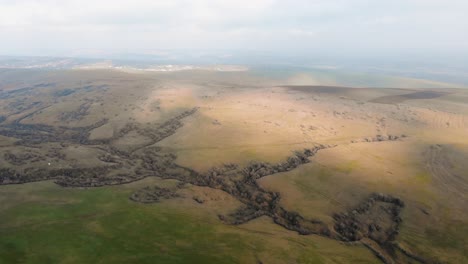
102 226
44 223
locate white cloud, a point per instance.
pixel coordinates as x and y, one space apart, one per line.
32 26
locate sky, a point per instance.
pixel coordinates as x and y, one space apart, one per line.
83 27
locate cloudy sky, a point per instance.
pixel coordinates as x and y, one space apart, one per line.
62 27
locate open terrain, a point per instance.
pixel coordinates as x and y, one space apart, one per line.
206 166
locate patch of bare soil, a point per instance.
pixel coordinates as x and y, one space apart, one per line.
395 99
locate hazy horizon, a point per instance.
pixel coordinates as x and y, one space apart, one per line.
420 39
292 28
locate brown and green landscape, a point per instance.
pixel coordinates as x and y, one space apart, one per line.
231 165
